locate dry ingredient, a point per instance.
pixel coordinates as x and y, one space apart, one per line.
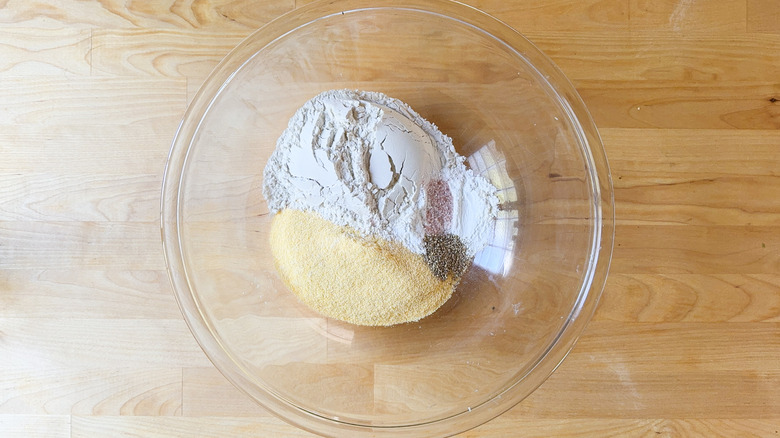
394 188
365 281
446 255
365 160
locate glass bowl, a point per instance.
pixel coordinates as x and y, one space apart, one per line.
519 308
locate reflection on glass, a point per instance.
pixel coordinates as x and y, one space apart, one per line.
489 162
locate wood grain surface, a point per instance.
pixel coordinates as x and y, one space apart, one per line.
685 343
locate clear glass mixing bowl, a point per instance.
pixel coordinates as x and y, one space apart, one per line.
518 310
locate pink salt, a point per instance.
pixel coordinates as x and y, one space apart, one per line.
438 212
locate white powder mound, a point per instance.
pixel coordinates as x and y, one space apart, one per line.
366 160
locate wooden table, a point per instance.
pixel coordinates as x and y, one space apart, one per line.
686 341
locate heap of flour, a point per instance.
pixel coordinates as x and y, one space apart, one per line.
369 162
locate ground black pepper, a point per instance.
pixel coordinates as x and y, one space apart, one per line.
446 255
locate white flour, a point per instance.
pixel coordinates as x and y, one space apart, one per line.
367 161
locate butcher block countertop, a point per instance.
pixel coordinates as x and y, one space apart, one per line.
686 339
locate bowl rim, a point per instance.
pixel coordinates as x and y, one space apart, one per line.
602 209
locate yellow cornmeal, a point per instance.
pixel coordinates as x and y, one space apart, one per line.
349 278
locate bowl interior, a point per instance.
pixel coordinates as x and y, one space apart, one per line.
518 309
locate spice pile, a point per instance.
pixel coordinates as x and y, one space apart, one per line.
377 216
